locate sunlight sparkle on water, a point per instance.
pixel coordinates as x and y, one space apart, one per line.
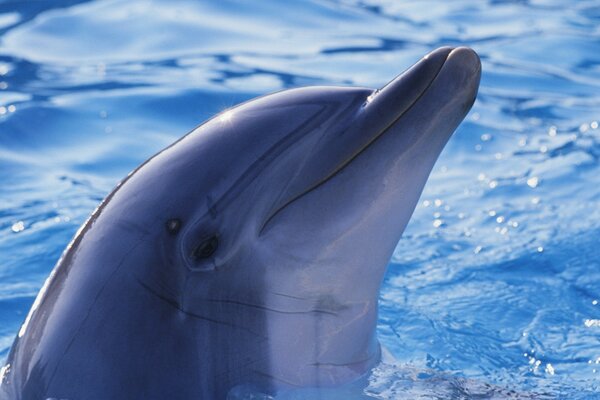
589 323
18 227
533 182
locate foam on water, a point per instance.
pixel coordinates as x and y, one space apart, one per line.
495 285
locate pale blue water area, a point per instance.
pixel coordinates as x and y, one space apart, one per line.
497 278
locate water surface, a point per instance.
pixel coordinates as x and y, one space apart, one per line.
497 278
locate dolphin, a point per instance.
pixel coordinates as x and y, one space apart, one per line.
250 251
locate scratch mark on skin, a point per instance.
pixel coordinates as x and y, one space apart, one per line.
290 296
160 296
176 305
348 364
264 308
91 307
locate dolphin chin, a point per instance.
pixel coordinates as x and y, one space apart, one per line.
249 252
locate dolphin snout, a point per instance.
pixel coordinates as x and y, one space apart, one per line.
468 59
459 68
465 63
428 100
459 76
397 96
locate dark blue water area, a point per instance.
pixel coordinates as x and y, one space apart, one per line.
494 290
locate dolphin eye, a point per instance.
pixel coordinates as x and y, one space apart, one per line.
206 248
173 225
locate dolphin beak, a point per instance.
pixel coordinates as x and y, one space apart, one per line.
462 65
387 104
443 84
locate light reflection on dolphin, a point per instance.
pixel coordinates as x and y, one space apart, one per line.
251 251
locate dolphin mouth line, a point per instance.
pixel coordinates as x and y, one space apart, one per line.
360 150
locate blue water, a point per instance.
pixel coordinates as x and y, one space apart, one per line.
497 278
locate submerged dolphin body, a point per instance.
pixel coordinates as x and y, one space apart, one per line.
251 251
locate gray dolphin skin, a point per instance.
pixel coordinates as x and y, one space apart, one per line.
251 251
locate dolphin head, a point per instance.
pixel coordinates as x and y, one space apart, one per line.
278 217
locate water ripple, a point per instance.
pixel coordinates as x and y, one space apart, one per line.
494 290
